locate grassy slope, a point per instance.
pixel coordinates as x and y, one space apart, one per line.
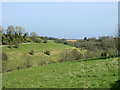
92 74
17 56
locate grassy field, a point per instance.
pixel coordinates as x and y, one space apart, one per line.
17 57
99 73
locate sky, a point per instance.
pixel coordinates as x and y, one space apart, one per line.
69 20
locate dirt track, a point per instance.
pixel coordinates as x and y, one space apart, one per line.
12 45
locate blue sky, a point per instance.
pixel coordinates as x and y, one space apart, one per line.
70 20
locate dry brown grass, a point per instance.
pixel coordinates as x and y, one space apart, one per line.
71 40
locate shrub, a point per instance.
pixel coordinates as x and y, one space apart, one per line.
115 85
36 40
42 37
25 41
105 55
47 52
9 45
65 55
89 54
62 41
76 54
28 41
93 53
51 62
31 52
28 62
16 45
42 62
19 67
69 55
9 70
65 43
45 41
5 42
4 56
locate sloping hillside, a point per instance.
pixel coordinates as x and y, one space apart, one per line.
73 74
18 57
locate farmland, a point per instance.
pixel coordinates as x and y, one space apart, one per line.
71 40
99 73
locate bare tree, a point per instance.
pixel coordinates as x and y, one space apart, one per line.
20 30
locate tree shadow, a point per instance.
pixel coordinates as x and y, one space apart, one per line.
115 85
91 59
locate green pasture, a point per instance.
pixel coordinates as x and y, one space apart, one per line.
101 73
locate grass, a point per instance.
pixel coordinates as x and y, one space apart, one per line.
73 74
17 56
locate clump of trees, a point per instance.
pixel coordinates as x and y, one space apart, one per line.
69 55
62 41
48 38
14 35
95 47
36 38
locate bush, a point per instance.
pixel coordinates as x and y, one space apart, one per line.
47 52
45 41
28 41
16 45
115 85
31 52
76 54
9 70
19 67
102 57
4 57
105 55
69 55
66 55
28 62
93 53
5 42
25 41
51 62
42 37
89 54
9 45
65 43
42 62
37 40
62 41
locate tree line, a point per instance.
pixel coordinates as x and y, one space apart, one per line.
105 46
15 35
